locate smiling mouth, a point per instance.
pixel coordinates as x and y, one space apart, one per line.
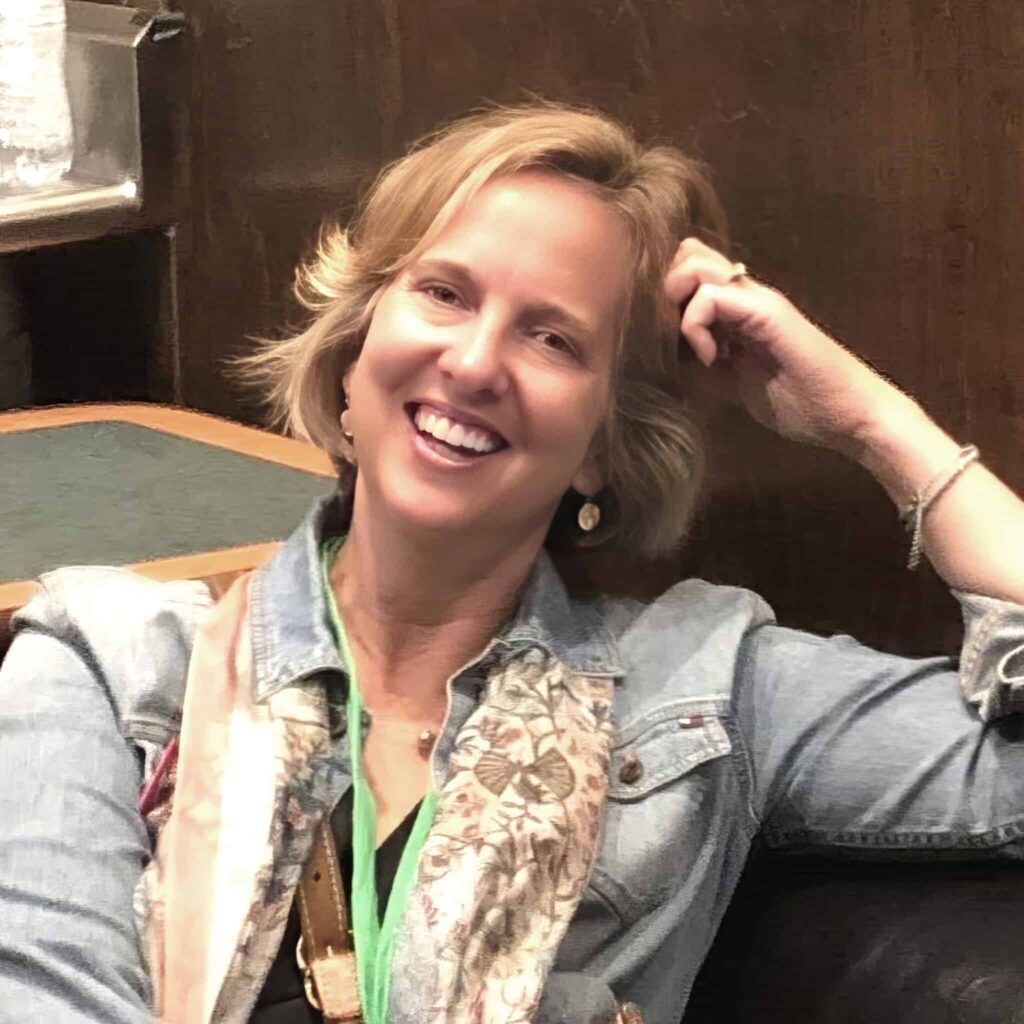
447 434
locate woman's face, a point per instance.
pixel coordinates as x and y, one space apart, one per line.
485 372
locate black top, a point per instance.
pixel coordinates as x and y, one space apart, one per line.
283 998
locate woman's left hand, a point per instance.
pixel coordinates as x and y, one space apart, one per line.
761 350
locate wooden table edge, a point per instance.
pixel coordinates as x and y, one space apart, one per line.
203 565
185 423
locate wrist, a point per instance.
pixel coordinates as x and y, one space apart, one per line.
903 448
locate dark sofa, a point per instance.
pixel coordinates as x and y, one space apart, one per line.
810 940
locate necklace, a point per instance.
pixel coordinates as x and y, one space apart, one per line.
405 732
425 742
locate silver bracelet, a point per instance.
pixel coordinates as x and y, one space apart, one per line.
913 515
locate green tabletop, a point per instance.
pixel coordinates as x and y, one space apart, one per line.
111 493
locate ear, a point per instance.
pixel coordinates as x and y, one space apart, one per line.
346 380
589 478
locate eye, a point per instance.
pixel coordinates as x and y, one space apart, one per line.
555 342
442 294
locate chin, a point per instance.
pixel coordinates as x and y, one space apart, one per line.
423 509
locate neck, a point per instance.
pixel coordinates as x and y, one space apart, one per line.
419 605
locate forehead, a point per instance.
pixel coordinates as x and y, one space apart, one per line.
543 237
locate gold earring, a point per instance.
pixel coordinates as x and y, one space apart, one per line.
589 516
348 451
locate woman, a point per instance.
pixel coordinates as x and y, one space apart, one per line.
532 809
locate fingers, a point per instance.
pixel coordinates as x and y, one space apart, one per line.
699 282
700 314
695 264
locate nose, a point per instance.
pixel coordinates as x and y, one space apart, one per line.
474 361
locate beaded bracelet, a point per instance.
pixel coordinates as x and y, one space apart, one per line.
913 515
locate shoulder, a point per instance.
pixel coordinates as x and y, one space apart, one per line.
686 608
84 595
687 642
133 633
106 605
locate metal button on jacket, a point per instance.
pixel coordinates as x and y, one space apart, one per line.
631 769
629 1013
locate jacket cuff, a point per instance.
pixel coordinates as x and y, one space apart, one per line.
992 656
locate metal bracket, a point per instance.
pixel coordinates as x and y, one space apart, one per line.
103 43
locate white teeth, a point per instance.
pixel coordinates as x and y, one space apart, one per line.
454 433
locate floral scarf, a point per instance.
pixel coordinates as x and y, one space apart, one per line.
500 875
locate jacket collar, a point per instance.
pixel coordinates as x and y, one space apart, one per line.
292 637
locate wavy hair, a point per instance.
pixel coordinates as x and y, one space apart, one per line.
651 450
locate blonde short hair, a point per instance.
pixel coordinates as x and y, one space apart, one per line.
651 450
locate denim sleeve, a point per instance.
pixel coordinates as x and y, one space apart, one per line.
71 845
853 748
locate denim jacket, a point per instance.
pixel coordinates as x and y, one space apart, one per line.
726 725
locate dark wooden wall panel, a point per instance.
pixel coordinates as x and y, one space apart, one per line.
869 153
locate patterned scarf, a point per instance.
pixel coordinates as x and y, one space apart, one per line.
510 851
499 878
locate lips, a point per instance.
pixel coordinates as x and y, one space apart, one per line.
458 431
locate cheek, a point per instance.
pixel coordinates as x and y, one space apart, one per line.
396 344
568 419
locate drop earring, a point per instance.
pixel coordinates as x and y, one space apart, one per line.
348 449
589 516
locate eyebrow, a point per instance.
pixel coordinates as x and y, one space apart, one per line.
538 310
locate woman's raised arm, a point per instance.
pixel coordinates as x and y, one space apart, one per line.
757 348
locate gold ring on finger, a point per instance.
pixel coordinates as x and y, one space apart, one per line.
739 270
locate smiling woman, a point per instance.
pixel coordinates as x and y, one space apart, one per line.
468 332
398 775
618 210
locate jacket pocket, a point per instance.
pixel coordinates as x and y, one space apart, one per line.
665 744
672 793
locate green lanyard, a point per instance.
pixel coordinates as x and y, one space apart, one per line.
374 938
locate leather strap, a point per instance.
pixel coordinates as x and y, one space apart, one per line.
325 953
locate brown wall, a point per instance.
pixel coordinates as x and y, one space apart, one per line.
869 153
